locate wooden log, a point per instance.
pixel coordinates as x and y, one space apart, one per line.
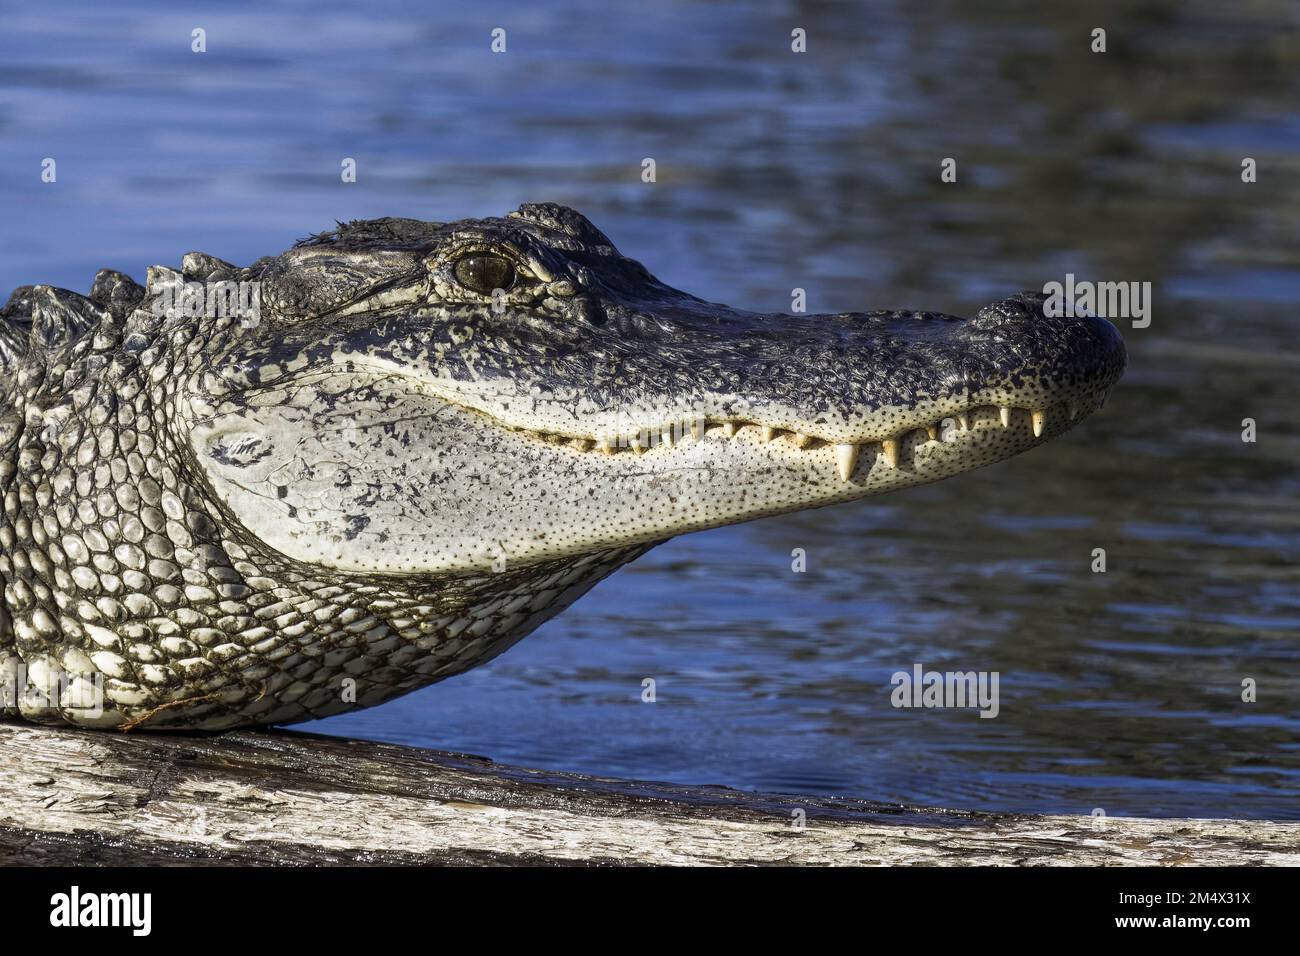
76 797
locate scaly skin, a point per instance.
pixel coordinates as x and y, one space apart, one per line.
396 472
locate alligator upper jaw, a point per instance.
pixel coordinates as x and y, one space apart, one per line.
665 370
881 384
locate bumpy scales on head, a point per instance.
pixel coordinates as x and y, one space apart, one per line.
266 494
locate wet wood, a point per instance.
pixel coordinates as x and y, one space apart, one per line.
71 796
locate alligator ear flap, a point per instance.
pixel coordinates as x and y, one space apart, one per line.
60 317
118 293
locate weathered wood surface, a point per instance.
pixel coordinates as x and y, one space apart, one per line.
69 796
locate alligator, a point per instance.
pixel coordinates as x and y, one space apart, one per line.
420 440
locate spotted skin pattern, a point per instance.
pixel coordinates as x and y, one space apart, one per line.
394 473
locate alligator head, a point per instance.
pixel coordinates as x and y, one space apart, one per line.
428 438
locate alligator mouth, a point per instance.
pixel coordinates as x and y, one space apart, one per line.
900 450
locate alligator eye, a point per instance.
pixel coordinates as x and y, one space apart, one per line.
484 274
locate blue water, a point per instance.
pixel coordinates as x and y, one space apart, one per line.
775 170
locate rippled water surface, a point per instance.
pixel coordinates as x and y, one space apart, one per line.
775 170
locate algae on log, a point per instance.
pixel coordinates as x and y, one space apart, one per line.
75 797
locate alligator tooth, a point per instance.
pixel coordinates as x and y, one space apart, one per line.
846 457
801 440
604 445
963 420
1005 413
1040 421
666 436
890 447
932 431
697 429
1073 411
730 428
768 433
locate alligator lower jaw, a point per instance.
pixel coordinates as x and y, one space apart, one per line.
897 451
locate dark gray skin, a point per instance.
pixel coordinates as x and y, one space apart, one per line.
430 439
